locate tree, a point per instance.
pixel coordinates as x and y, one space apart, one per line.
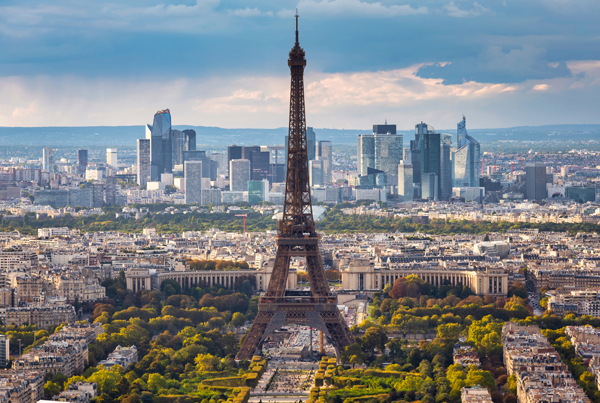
375 337
106 379
133 398
206 362
481 378
517 289
246 288
355 359
449 331
51 389
170 287
238 319
123 387
156 382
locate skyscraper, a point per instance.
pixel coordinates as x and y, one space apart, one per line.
366 153
430 160
384 129
222 163
233 153
167 145
143 162
315 171
239 175
189 140
209 167
311 143
535 181
429 186
258 191
110 191
466 158
445 191
178 147
159 134
381 150
193 182
388 152
112 157
324 153
415 157
47 159
405 181
260 165
82 161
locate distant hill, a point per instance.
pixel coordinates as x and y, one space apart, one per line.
127 135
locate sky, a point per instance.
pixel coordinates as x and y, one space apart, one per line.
223 63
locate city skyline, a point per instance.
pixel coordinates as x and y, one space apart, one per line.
499 62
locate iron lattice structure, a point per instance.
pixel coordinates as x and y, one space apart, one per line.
297 237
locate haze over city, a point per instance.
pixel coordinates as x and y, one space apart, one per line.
503 63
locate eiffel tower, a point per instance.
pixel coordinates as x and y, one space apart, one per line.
297 237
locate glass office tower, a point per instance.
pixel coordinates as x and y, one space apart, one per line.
466 158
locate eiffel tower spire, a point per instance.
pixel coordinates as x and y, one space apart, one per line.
297 237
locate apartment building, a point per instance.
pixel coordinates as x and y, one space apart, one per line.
42 315
54 357
475 395
123 356
541 375
11 259
21 387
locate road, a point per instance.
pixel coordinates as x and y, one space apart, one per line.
534 301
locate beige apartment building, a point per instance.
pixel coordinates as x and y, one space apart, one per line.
363 274
150 279
16 387
44 316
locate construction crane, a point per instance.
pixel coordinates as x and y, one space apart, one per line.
516 162
243 215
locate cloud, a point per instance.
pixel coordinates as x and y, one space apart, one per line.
541 87
250 12
350 100
28 19
454 11
356 8
495 66
20 113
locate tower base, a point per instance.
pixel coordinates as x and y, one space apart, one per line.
319 313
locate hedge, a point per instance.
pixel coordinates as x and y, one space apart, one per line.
230 382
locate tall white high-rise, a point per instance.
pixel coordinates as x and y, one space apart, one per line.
111 157
325 153
47 159
315 172
405 182
239 175
143 161
193 182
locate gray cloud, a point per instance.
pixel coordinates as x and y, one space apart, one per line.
493 65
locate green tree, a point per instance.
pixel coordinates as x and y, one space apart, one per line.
375 337
51 389
238 319
482 378
206 362
449 331
156 382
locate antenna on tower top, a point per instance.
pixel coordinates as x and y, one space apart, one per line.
297 26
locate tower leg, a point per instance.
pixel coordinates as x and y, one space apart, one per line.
255 336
